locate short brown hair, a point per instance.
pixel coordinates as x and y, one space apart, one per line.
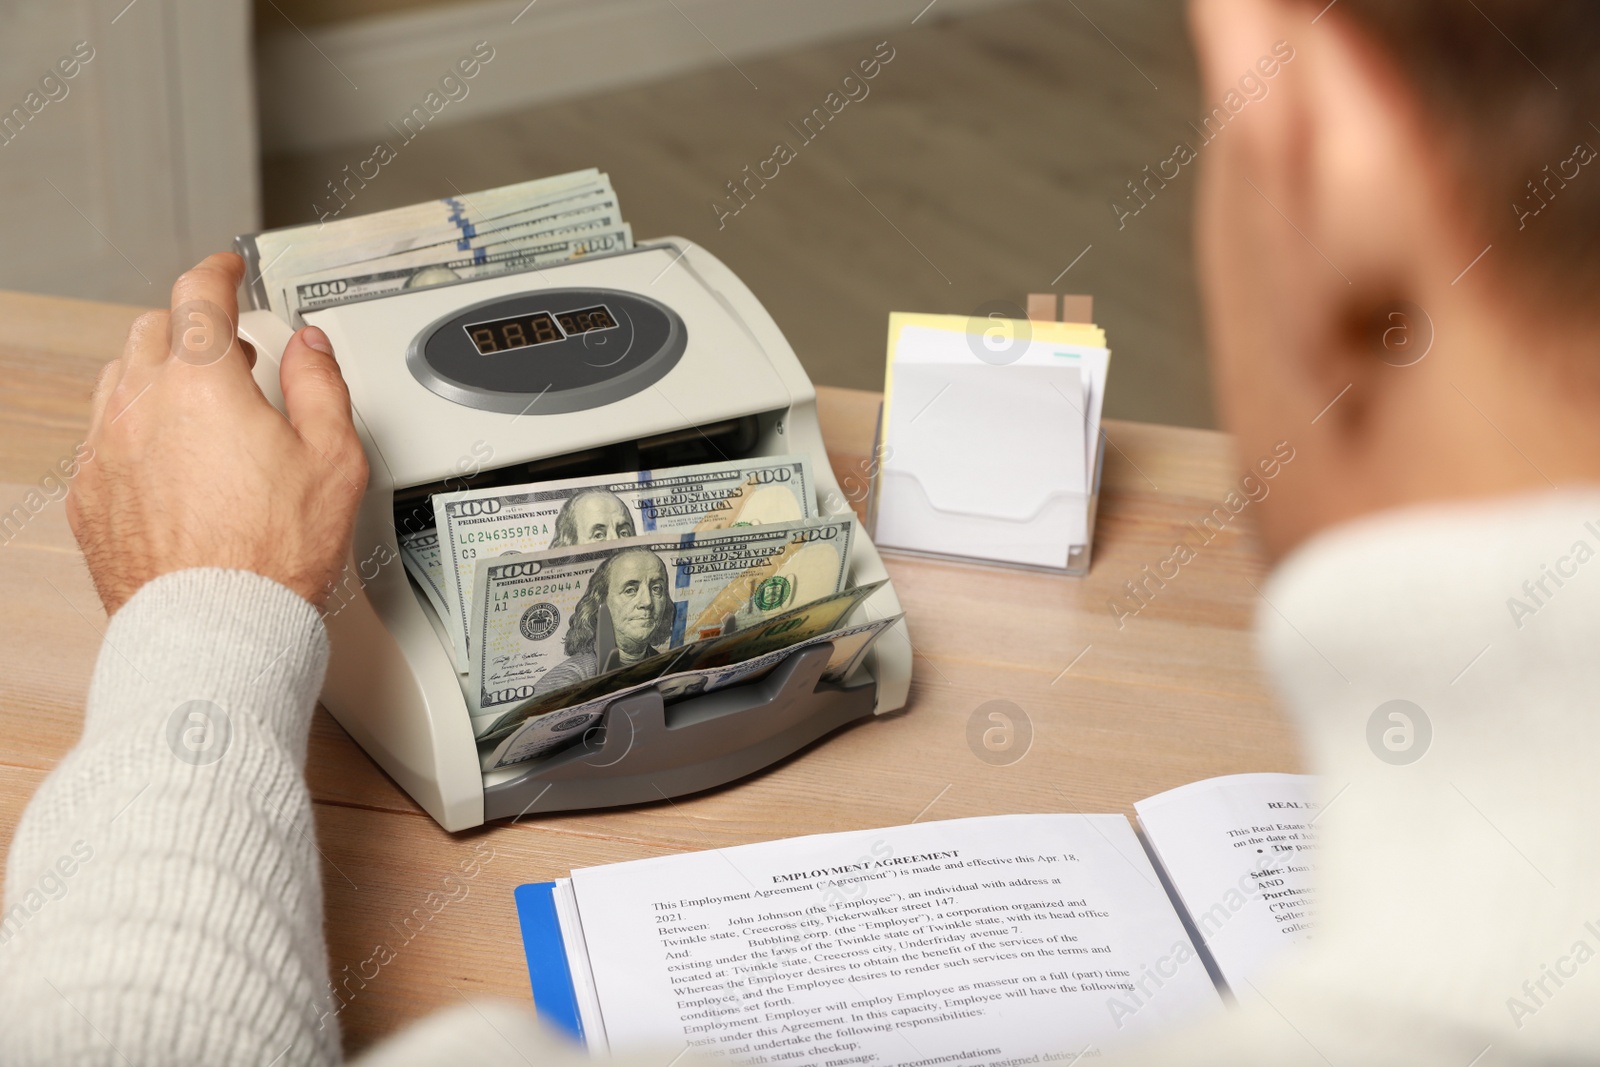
1516 87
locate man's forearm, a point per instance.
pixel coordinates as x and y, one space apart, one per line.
162 894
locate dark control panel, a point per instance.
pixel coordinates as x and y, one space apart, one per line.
550 351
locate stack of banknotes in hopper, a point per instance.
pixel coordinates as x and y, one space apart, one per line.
476 235
561 596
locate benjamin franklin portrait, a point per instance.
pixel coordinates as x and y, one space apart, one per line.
633 587
592 515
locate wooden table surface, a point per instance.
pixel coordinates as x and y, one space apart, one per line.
1117 713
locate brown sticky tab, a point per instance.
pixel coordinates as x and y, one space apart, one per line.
1042 307
1077 308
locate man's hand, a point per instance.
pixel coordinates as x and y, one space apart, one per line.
192 467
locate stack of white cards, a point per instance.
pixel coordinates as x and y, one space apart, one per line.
989 446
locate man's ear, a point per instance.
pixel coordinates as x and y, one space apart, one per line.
1229 36
1327 181
1267 290
1382 205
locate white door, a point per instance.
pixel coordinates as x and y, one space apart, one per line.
127 142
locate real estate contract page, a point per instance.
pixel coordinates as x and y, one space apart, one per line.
997 941
1240 852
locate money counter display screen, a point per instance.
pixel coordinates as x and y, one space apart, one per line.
537 328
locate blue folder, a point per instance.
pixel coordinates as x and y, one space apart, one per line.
554 997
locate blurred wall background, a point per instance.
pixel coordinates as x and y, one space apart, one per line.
327 12
127 142
982 165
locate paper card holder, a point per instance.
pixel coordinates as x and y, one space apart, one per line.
1042 307
1077 556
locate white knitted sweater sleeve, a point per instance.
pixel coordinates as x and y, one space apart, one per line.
162 896
163 901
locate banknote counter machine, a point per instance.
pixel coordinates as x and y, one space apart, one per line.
649 358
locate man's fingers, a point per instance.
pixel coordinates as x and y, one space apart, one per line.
146 347
215 278
318 403
205 312
104 385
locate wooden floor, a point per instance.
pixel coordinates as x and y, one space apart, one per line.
981 165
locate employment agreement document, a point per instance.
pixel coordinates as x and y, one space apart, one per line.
1006 939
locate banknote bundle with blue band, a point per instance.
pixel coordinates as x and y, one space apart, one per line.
518 227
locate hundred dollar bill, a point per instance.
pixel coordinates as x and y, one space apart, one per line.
851 644
530 518
486 246
549 619
342 285
465 231
579 213
456 214
539 735
779 631
420 553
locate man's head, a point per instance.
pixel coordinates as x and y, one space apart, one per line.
1397 246
633 586
592 515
